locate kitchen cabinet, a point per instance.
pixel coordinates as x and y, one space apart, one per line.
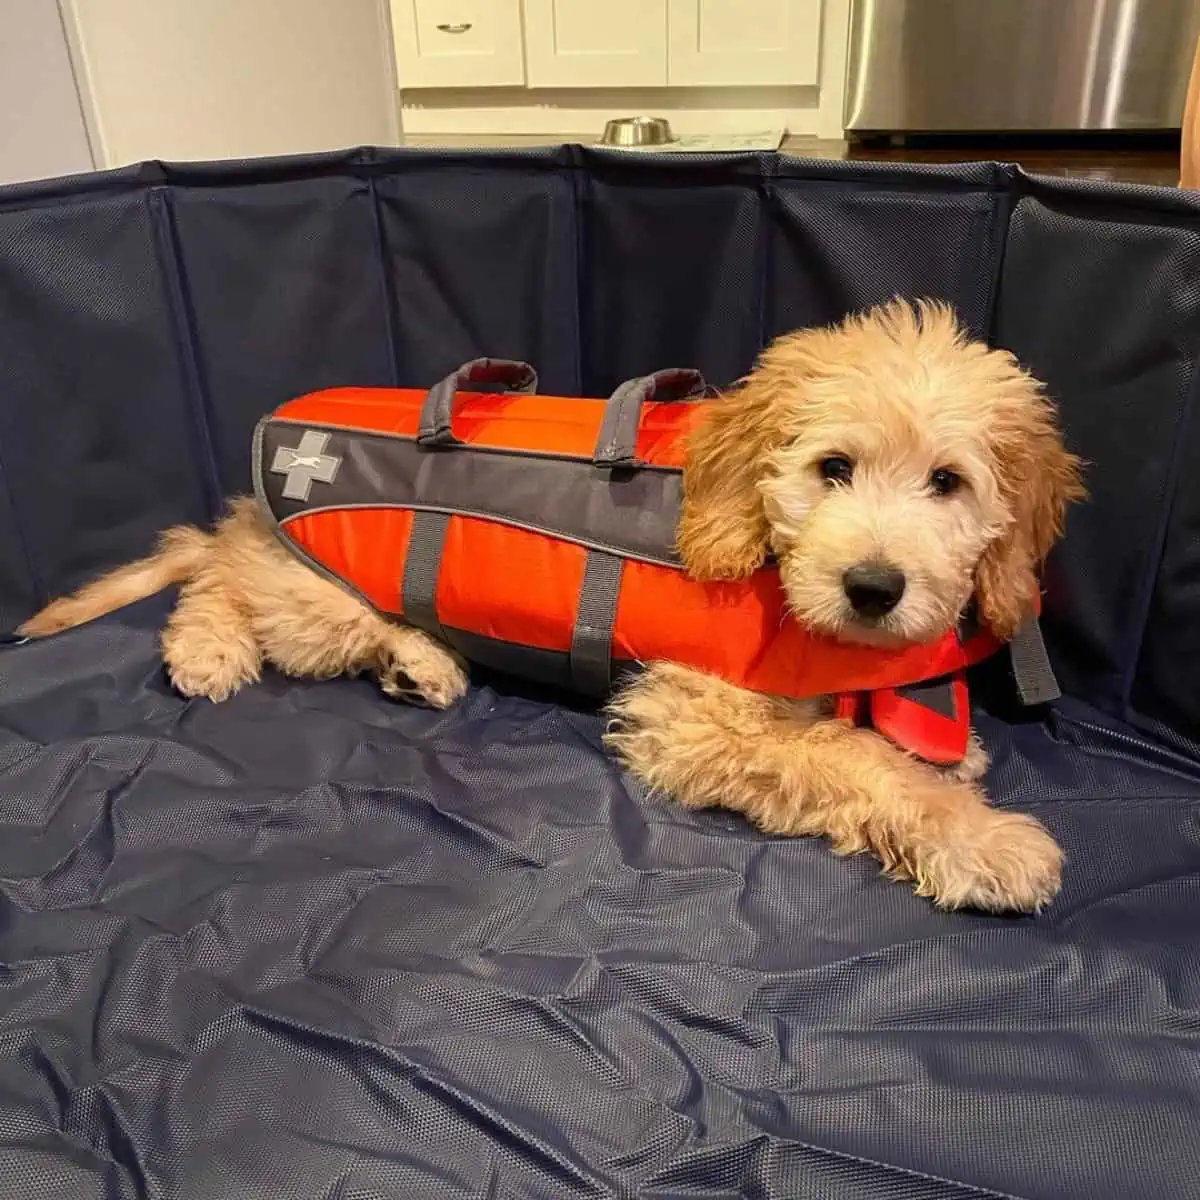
723 43
458 43
610 44
585 43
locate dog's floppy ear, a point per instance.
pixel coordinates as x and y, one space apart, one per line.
723 531
1037 478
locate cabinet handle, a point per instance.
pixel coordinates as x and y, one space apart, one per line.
462 27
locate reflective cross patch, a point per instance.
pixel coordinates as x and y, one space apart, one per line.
308 461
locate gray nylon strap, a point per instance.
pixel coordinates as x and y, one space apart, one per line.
617 440
418 589
1031 667
591 641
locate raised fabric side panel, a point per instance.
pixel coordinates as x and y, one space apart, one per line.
287 293
101 445
1120 374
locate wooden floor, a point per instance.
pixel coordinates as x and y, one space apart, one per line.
1137 163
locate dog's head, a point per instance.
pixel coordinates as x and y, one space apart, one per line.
894 468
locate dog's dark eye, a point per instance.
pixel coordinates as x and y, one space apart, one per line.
836 469
944 482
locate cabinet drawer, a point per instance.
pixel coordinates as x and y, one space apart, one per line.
458 43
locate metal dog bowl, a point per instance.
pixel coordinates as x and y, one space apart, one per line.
637 131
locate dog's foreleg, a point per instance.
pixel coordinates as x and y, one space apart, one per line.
792 771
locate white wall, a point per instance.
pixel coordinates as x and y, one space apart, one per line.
201 79
42 131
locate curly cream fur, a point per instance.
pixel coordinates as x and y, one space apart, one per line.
900 391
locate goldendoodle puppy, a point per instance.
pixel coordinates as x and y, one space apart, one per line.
896 471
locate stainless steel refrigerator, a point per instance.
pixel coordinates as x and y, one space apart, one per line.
1019 65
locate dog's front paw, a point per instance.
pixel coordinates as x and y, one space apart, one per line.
420 671
994 861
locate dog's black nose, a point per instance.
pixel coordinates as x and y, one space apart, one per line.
873 589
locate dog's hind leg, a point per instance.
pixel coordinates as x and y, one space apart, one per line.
208 644
310 628
336 634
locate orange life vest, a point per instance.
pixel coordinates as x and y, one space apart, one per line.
535 534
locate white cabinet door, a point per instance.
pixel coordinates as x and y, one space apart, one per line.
596 43
750 42
458 43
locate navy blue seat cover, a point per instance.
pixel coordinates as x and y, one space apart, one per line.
313 943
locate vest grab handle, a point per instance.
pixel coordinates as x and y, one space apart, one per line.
616 444
438 410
